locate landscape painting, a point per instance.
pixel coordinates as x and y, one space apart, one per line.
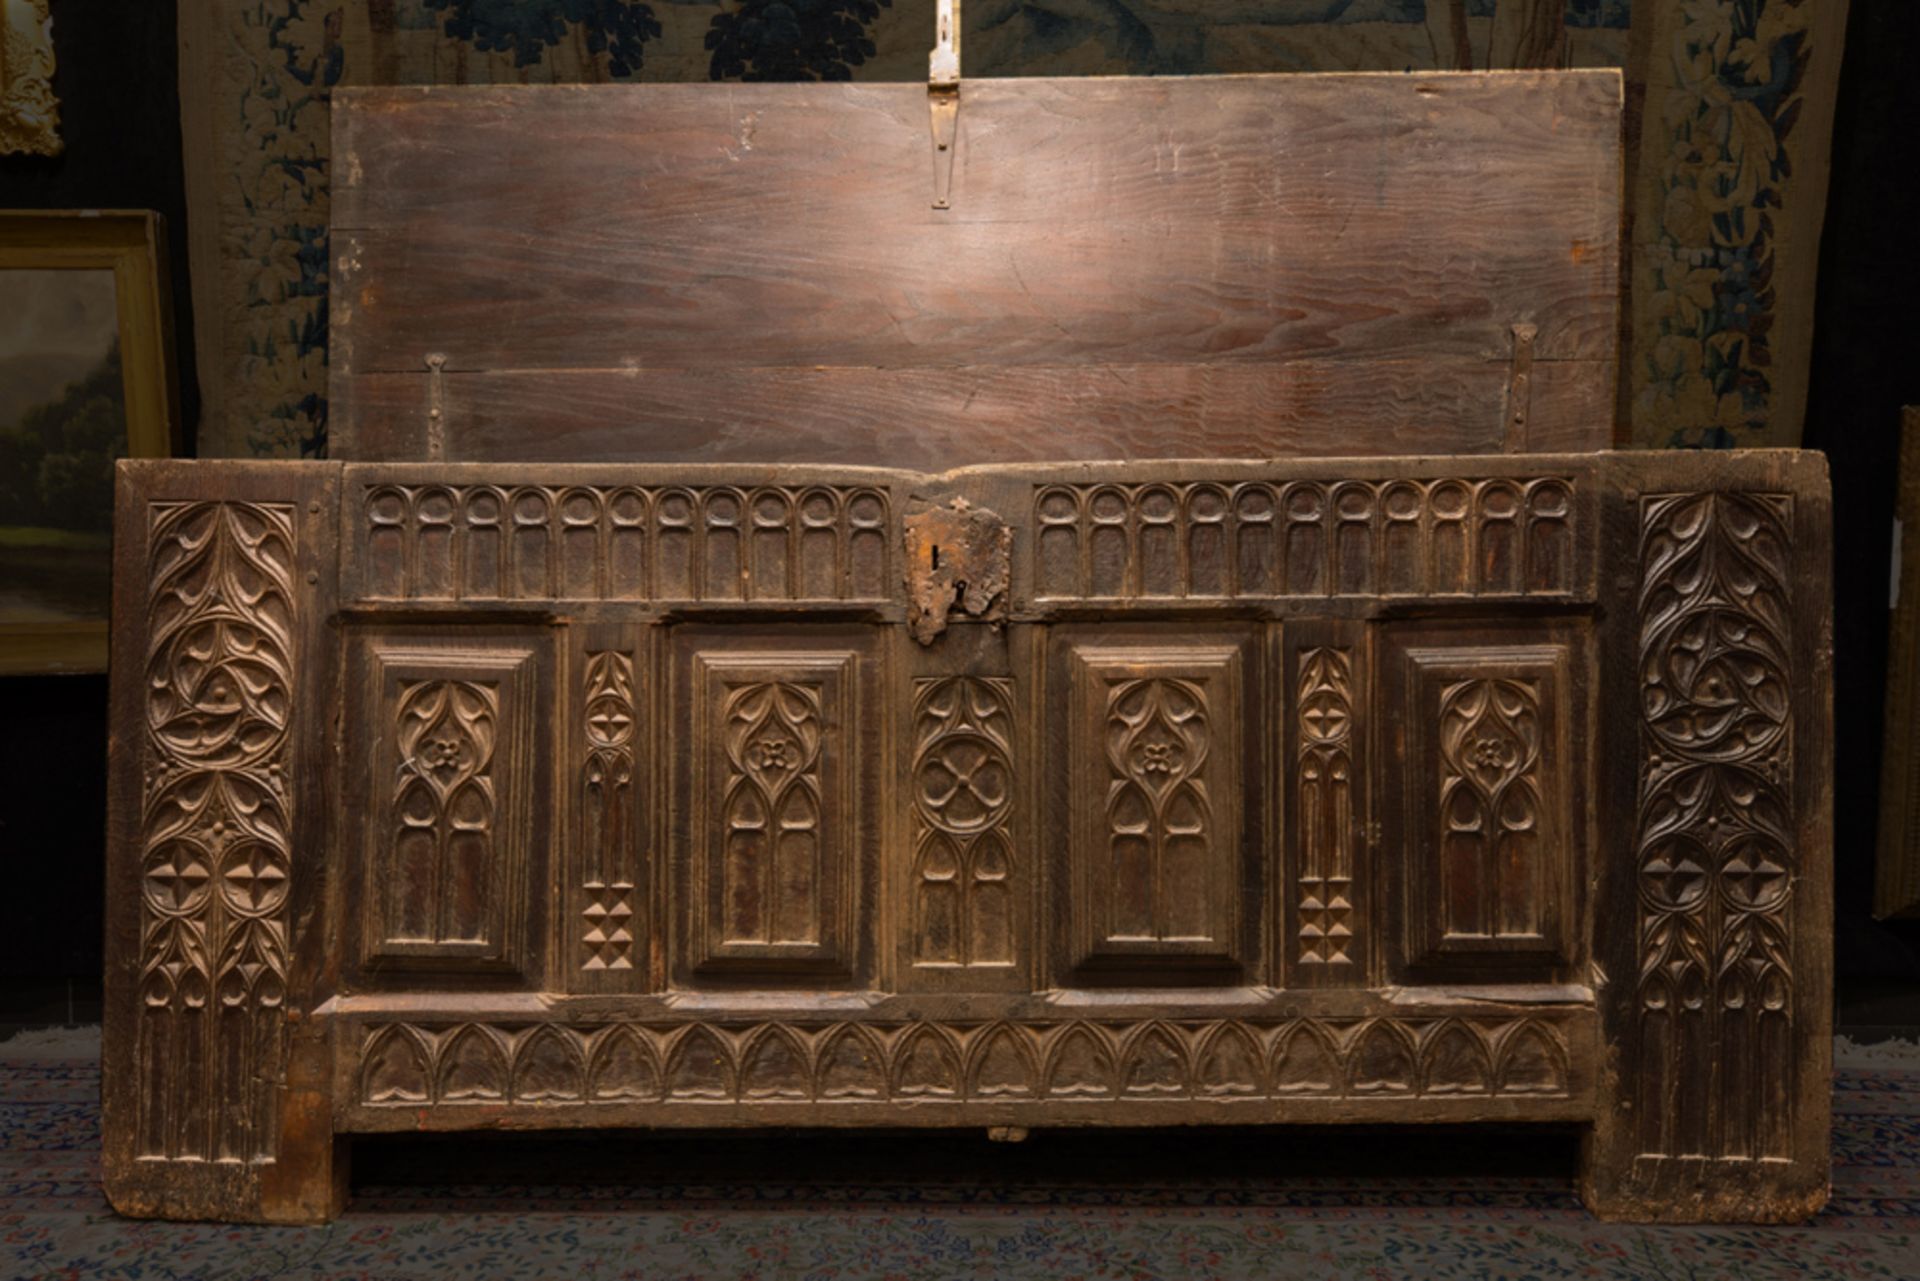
63 421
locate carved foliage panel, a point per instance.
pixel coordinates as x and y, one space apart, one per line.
1156 741
777 800
1716 827
455 790
625 542
1306 538
1489 763
410 1065
215 828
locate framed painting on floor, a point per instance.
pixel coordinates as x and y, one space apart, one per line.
86 377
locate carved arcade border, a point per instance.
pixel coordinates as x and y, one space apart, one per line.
1716 829
413 1065
625 542
1503 537
215 827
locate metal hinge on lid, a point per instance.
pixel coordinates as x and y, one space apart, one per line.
436 406
1520 387
943 97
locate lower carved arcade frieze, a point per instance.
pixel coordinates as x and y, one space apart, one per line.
410 1065
1512 780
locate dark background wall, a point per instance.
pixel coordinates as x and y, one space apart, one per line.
117 79
1865 367
118 86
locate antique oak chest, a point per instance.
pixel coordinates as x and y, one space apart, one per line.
1045 603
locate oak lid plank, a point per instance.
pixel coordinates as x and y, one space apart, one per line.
937 418
1197 224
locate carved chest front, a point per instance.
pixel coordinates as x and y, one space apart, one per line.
645 726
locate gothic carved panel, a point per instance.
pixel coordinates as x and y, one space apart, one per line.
1501 537
964 910
443 834
605 814
1491 815
456 769
861 1064
1485 813
215 828
777 789
1155 748
1715 834
1324 793
437 542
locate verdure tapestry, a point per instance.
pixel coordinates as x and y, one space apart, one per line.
1727 188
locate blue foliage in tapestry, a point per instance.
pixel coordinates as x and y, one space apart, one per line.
1599 13
1302 13
293 278
528 28
1580 13
1177 37
1709 369
792 39
309 334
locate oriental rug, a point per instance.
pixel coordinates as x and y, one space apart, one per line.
1277 1203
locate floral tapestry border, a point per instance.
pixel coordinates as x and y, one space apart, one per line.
1728 204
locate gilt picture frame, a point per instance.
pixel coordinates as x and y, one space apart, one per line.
29 112
86 377
1896 890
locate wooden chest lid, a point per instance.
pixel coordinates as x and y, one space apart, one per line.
1244 266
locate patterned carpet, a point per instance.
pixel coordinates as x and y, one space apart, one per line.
1280 1203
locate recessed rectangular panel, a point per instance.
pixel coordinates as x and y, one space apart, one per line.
456 760
1156 752
775 799
1487 762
